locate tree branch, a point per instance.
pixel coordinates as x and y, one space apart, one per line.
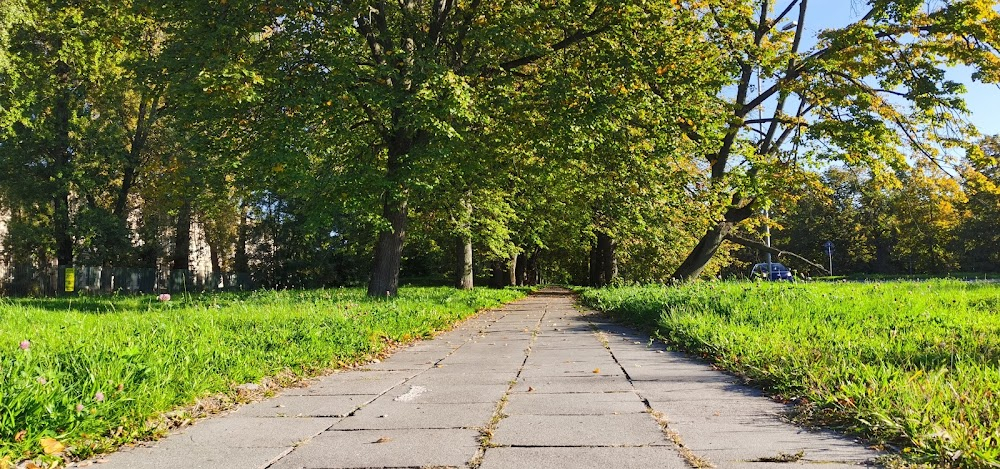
572 39
776 252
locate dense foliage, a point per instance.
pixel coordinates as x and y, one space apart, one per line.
329 143
911 365
919 220
94 373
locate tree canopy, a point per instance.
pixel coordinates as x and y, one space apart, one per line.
328 143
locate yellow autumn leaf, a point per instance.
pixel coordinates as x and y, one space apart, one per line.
51 446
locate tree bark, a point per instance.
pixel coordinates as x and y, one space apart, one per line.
531 269
511 280
107 282
595 265
609 263
883 254
181 259
146 115
389 250
463 264
707 246
520 272
241 262
182 239
61 157
463 246
388 256
500 277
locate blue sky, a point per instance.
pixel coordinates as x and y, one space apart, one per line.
983 100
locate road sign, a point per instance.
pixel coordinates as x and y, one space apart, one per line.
828 246
70 279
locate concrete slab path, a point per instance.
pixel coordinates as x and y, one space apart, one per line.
535 384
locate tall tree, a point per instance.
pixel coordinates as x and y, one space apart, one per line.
860 93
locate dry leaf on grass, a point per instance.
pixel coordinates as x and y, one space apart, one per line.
51 446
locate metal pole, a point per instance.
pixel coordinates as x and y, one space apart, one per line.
767 237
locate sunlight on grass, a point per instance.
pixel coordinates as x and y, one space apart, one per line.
911 364
92 373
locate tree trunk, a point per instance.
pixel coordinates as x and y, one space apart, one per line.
181 262
213 254
145 116
107 282
520 272
595 265
499 275
606 246
463 264
463 246
531 269
709 244
61 157
389 250
512 271
883 254
182 239
241 262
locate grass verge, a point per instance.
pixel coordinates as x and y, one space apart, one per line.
83 375
912 365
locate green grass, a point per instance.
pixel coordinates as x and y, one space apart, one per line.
145 358
891 277
912 365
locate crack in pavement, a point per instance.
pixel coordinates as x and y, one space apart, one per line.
486 435
694 460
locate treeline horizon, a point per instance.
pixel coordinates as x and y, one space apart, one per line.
333 143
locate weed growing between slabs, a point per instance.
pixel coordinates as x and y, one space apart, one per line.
83 375
913 365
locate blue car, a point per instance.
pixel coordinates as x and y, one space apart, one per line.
775 272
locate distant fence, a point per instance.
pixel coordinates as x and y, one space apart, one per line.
31 281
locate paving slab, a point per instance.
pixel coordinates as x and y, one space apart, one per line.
579 430
559 458
172 456
393 414
462 393
443 377
425 406
249 432
724 422
306 406
573 384
573 404
384 448
353 382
